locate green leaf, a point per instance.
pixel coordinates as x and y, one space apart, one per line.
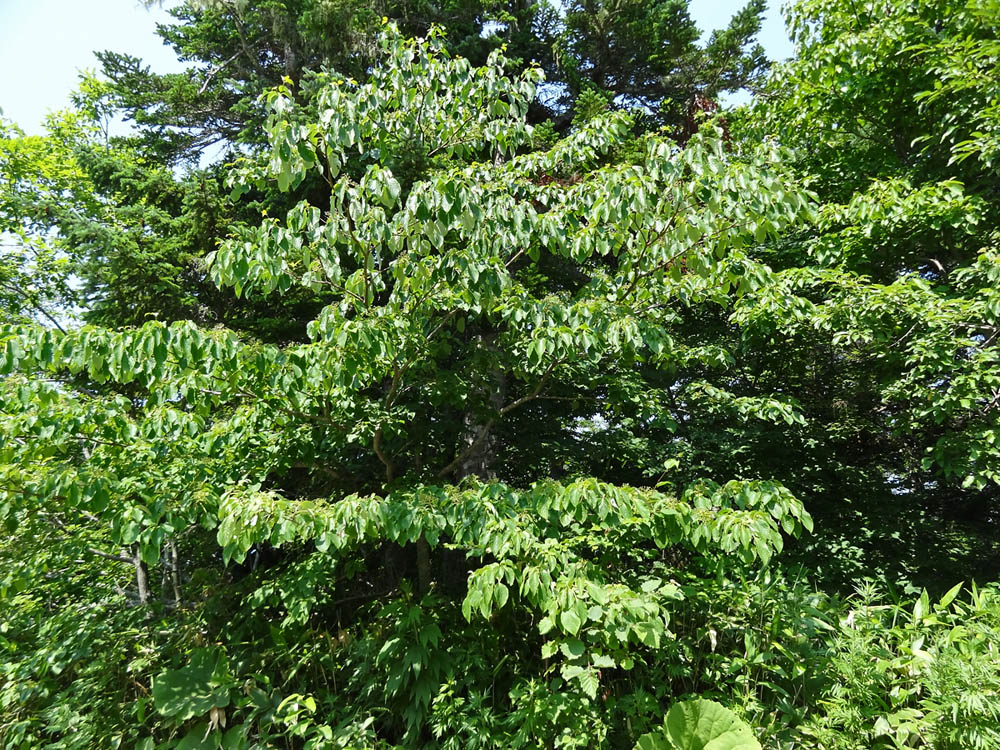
199 737
570 622
501 594
195 689
589 682
602 662
949 597
701 724
654 741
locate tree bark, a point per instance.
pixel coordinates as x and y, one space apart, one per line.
423 565
141 577
481 460
175 571
164 573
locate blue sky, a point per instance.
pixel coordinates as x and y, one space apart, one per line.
44 43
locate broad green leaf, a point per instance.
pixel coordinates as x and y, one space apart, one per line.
195 689
570 622
701 724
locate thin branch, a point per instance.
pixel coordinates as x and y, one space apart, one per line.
663 266
99 441
534 393
216 70
332 473
441 325
448 142
106 556
62 525
390 469
38 308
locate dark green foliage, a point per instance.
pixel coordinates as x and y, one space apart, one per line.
239 50
646 54
447 415
882 322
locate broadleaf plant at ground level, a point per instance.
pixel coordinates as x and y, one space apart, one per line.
700 724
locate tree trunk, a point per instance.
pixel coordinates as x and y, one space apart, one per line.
481 462
423 565
141 577
164 573
175 571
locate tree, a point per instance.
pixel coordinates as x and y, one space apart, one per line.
41 179
882 319
360 481
643 53
239 50
137 252
646 55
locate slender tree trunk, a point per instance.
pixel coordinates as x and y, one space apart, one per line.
141 577
423 565
175 571
481 462
164 573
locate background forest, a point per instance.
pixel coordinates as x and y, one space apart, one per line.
462 375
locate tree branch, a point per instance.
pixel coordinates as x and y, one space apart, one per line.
390 469
216 70
534 393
